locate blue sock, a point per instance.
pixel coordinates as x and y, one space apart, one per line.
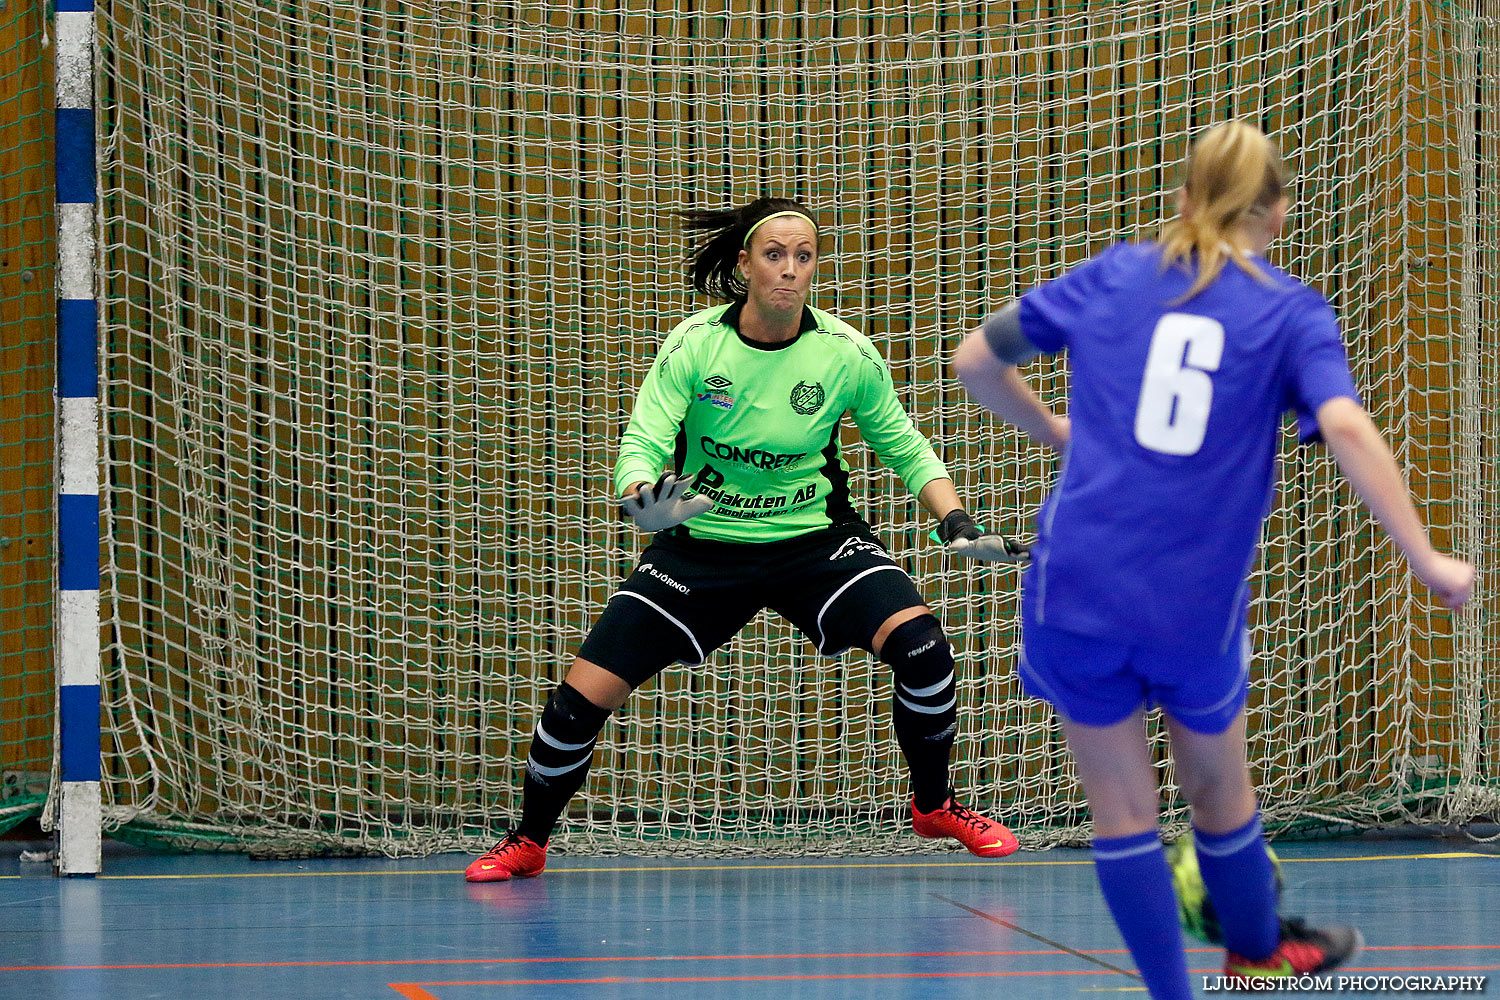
1241 882
1138 888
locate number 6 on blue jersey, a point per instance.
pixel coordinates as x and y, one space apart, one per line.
1176 392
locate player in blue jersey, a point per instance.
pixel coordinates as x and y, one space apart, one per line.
746 400
1185 353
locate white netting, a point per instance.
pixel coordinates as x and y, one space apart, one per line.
381 279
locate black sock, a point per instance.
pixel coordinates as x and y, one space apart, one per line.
924 709
558 761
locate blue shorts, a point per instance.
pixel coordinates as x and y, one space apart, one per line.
1099 682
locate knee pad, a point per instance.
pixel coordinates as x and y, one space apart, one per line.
565 734
926 695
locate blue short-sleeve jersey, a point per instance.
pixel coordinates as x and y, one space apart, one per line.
1152 527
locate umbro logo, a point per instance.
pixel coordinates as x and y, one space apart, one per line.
714 393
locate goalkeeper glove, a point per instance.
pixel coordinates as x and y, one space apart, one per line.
961 536
661 505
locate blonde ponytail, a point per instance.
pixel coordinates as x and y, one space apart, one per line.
1233 172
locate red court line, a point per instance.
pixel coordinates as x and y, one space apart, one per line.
1425 947
411 991
615 980
1360 969
581 959
418 991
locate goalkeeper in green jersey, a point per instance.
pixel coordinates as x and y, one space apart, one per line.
742 408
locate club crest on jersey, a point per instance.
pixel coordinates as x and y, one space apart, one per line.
808 398
715 392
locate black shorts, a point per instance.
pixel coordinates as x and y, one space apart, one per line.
689 596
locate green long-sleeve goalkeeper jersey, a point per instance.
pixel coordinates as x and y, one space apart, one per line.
758 424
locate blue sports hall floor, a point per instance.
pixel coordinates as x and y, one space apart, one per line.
937 925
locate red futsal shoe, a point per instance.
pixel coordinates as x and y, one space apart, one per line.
981 835
515 855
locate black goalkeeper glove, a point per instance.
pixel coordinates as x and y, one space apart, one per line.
962 537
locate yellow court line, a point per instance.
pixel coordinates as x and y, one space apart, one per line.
772 867
584 871
1113 989
1396 857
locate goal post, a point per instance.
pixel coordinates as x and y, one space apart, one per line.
379 282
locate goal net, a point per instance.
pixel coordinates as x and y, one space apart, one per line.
381 279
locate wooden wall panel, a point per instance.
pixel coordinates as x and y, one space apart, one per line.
27 315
